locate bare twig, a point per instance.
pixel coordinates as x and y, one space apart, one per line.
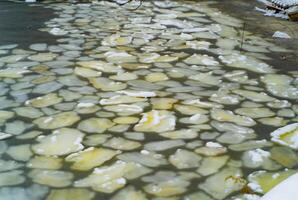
128 1
242 37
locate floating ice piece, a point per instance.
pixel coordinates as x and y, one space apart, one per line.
7 165
72 193
122 144
28 112
34 192
190 110
5 115
172 187
124 76
100 66
211 149
229 116
195 119
116 40
121 99
46 88
287 136
254 96
95 125
119 57
42 57
202 104
183 159
20 152
57 121
274 121
126 120
255 112
124 109
163 145
4 136
206 78
211 165
85 105
166 59
224 97
251 144
12 73
106 179
199 45
149 57
181 134
134 93
259 158
9 178
58 31
175 22
129 193
38 46
146 158
163 103
106 84
279 34
248 63
16 127
44 101
89 158
61 142
284 156
87 73
45 162
201 60
53 178
8 46
221 184
156 77
280 85
229 127
12 58
156 121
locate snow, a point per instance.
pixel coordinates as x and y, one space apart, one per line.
85 105
138 93
286 190
279 34
258 155
213 145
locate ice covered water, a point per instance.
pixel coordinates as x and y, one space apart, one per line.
154 103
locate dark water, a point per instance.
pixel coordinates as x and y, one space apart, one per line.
19 23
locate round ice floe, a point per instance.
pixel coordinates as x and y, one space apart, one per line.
61 142
90 158
53 178
72 193
95 125
183 159
13 177
57 121
156 121
45 162
229 116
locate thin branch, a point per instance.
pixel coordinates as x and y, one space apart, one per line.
242 37
129 1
